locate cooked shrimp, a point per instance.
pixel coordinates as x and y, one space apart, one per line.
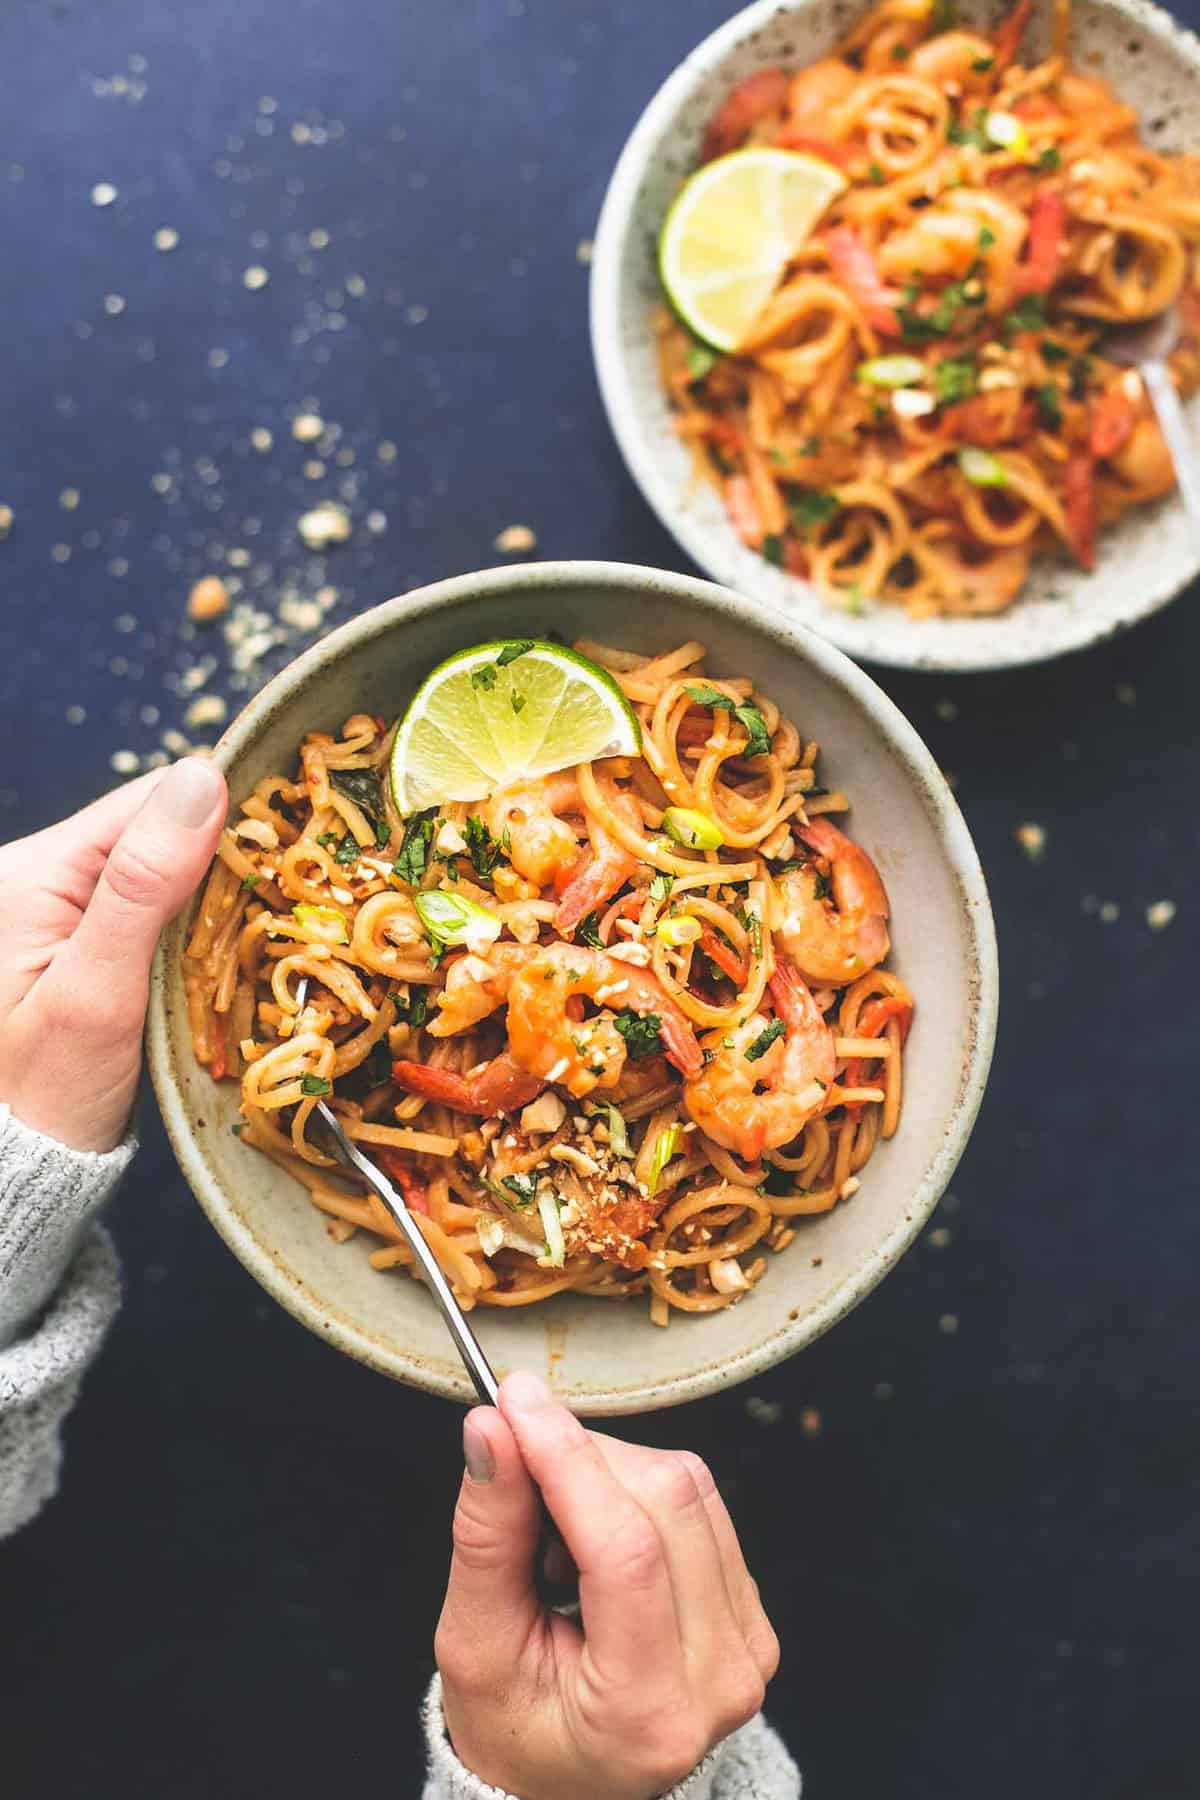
549 1036
945 239
1145 461
953 56
833 937
528 820
604 868
751 1103
502 1086
476 986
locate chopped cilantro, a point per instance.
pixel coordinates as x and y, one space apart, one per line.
379 1065
1081 375
810 447
251 882
772 549
510 652
315 1085
484 677
753 924
1052 352
327 837
779 1182
362 786
517 702
416 1010
238 1129
347 851
876 174
901 52
482 847
812 506
1028 314
983 65
943 14
413 859
765 1039
1050 157
642 1033
523 1188
1049 405
749 715
955 378
822 887
588 930
987 237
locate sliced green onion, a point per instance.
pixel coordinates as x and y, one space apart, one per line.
695 830
678 931
982 469
1006 131
666 1145
556 1243
891 371
324 924
618 1133
453 920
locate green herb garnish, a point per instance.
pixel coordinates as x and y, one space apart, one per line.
510 652
772 550
642 1033
1049 405
812 506
588 930
955 379
315 1085
765 1039
413 859
701 361
482 847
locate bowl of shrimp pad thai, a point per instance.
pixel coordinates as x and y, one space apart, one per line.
634 936
862 293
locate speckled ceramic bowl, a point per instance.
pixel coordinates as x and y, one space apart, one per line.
1143 562
609 1358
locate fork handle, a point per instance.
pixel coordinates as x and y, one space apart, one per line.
1174 426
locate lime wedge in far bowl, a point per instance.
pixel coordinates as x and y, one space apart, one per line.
733 230
505 712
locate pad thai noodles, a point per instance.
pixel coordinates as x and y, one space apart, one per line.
613 1031
926 404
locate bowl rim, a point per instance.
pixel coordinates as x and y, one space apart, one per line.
934 650
793 640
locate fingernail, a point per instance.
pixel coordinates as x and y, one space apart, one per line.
187 793
528 1392
477 1453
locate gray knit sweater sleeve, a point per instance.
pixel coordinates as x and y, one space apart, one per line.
750 1765
59 1290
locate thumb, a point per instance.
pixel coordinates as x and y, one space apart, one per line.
496 1525
158 859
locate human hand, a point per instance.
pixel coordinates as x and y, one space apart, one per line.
81 908
675 1651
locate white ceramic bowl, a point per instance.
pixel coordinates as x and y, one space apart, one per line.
1143 562
607 1358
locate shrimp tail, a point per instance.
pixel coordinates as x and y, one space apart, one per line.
680 1042
594 880
504 1086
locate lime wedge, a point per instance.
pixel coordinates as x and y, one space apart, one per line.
732 232
505 712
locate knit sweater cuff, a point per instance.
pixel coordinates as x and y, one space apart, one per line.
750 1765
48 1197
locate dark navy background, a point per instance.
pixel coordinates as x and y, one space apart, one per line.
980 1561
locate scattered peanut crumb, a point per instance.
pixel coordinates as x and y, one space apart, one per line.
208 599
946 709
515 539
1159 916
123 762
313 469
307 427
811 1422
583 250
114 305
1032 839
255 277
209 709
6 521
261 438
1110 912
166 238
884 1390
948 1324
940 1237
103 194
1126 693
763 1412
326 524
217 358
318 239
68 499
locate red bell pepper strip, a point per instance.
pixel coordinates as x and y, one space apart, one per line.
1008 34
1079 497
1047 234
743 510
